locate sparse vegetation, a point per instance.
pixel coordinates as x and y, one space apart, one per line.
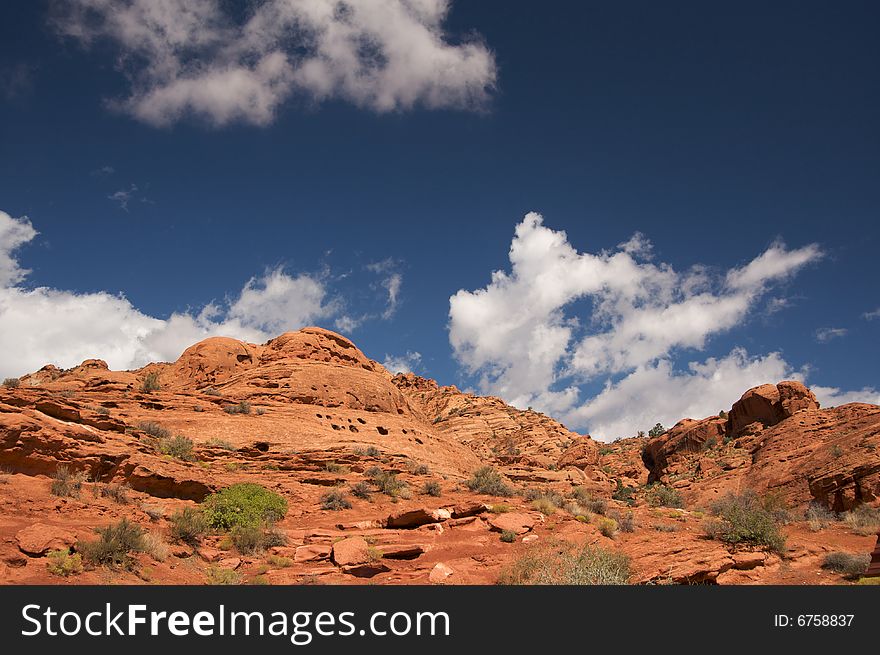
561 563
386 482
863 520
244 407
67 483
849 565
370 451
508 536
219 576
188 526
432 488
12 383
624 494
360 490
155 512
249 539
116 492
243 504
748 519
335 501
414 468
818 517
836 451
486 480
63 563
179 447
155 547
333 467
625 522
154 429
114 545
607 527
279 562
659 495
223 444
544 505
151 383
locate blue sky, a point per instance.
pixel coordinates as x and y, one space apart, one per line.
364 200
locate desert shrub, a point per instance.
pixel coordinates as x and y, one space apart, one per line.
370 451
836 451
863 520
625 522
666 527
333 467
12 383
155 547
848 565
360 490
154 429
335 501
745 519
223 444
67 483
217 575
249 539
562 563
577 510
279 562
486 480
624 494
244 407
544 505
155 512
432 488
818 517
657 430
188 526
500 508
508 536
116 492
114 545
178 447
243 504
710 443
659 495
63 563
210 391
151 383
386 482
607 527
414 468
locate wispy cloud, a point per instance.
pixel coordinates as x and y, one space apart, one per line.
123 197
102 171
870 316
406 363
194 57
826 334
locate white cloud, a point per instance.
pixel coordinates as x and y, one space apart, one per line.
657 393
193 56
42 325
870 316
826 334
402 363
834 396
123 197
529 338
14 233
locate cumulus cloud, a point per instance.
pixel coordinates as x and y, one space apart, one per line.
632 317
833 396
826 334
402 363
43 325
870 316
195 57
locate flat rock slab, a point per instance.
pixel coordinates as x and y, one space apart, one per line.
38 539
517 522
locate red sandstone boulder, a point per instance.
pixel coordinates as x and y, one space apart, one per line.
39 539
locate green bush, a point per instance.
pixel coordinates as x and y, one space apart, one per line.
12 383
178 447
659 495
746 519
487 480
847 564
561 563
386 482
624 494
335 501
243 504
114 545
188 526
66 483
657 430
64 564
432 488
508 536
151 383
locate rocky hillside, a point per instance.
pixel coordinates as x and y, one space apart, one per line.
376 472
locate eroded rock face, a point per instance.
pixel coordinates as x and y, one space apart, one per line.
769 404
